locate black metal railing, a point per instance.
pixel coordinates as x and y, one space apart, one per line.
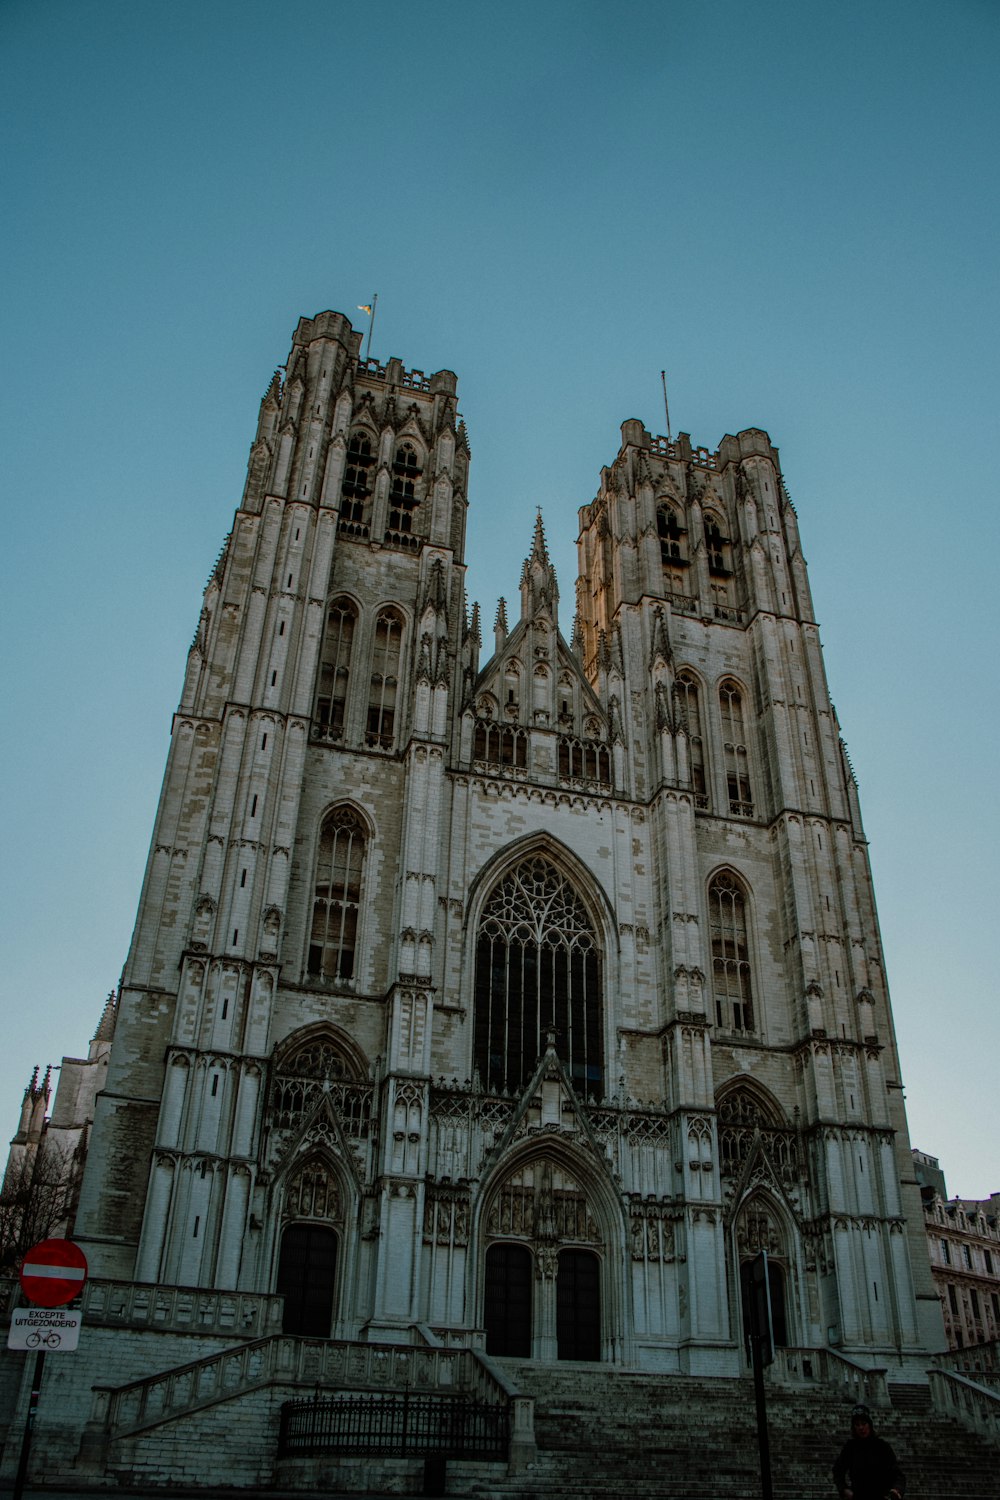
394 1425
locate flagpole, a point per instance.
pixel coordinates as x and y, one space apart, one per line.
371 325
666 408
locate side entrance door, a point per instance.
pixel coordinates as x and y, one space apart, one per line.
306 1277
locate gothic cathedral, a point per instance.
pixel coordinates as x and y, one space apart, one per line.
516 997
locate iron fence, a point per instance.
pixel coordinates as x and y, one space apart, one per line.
394 1425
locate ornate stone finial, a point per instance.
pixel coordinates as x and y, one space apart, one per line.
500 623
424 659
576 641
475 630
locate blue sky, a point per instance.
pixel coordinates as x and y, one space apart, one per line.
791 206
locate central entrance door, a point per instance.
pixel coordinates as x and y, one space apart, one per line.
578 1305
306 1271
507 1300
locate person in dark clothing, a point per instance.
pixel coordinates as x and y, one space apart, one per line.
866 1467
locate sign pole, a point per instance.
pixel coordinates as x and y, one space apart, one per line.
29 1423
52 1274
762 1353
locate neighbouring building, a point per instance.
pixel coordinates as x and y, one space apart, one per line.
41 1182
510 999
963 1237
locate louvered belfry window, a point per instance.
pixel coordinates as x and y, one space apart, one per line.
538 969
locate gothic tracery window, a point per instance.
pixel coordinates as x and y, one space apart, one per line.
500 745
337 896
334 671
584 760
381 725
743 1116
735 750
731 980
537 968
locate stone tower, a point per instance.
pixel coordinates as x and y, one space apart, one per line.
524 1000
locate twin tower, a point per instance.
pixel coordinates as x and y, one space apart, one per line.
521 994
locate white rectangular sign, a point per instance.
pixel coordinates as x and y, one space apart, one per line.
53 1329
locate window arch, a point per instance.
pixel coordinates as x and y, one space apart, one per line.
538 968
357 485
337 896
381 725
731 978
689 708
403 502
734 747
335 670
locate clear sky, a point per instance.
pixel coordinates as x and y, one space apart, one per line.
790 205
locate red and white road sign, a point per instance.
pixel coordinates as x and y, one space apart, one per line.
53 1273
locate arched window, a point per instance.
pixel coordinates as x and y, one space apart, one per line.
720 552
689 709
357 481
537 969
403 501
745 1118
384 681
337 897
672 535
334 671
735 750
731 983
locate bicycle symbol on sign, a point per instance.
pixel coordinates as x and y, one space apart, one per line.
51 1340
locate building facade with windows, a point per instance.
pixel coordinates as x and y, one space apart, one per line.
521 995
963 1239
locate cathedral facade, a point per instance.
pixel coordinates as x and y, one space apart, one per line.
514 997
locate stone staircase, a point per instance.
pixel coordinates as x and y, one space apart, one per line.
606 1434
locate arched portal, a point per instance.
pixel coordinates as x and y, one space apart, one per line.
578 1305
507 1300
307 1277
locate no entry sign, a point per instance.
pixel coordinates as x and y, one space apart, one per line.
53 1273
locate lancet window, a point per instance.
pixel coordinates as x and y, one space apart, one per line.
337 897
403 502
719 547
357 485
689 709
334 671
538 969
672 536
735 750
381 725
731 977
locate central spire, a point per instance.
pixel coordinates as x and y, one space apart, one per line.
539 588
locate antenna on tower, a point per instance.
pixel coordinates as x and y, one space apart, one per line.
666 408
